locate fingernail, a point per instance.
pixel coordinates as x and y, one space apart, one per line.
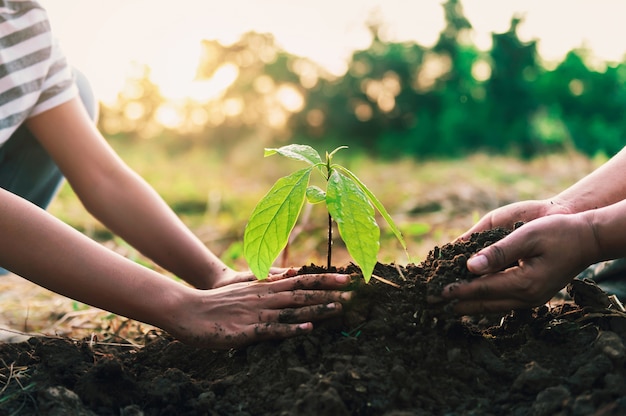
477 264
346 296
331 306
342 278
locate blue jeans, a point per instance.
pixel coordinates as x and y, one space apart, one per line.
25 167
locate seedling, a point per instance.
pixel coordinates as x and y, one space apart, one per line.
349 202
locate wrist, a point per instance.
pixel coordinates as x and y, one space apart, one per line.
170 315
212 274
205 273
607 226
593 230
558 205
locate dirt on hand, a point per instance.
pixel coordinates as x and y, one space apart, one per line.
390 354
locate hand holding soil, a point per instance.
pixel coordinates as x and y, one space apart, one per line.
545 253
508 216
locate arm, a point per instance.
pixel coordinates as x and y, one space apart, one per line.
50 253
120 199
602 187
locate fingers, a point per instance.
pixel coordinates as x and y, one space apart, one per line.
290 322
284 323
300 314
514 283
283 307
500 255
301 298
487 294
499 292
309 281
250 334
262 332
281 273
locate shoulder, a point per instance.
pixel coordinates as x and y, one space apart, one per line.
34 74
24 29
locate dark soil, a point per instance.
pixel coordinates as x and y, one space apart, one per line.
390 354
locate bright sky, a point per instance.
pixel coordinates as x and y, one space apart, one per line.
102 37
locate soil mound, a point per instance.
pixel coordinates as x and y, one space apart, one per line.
391 354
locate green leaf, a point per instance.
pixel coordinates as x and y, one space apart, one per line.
330 156
298 152
315 194
379 206
272 220
349 206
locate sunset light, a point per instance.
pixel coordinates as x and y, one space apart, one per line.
102 38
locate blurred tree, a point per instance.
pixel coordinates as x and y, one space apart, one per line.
510 93
402 99
373 97
134 112
396 99
265 90
590 103
459 119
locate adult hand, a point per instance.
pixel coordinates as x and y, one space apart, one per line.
550 251
242 313
507 215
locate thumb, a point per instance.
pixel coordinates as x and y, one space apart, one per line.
492 259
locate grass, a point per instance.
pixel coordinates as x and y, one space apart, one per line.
214 192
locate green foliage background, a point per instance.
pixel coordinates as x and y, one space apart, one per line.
396 99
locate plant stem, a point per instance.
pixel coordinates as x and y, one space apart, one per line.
330 241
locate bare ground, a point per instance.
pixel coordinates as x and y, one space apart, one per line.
391 354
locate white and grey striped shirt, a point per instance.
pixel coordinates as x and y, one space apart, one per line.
34 74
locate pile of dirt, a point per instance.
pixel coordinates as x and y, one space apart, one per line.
390 354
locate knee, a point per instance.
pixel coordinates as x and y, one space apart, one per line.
86 94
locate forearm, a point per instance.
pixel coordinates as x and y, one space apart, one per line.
46 251
118 197
609 231
602 187
126 204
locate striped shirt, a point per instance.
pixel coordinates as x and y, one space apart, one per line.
34 74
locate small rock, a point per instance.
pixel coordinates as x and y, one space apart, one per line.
327 403
611 345
533 379
60 401
550 401
583 406
586 375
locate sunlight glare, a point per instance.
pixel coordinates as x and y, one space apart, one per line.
233 107
205 90
102 37
134 110
290 98
168 116
481 70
